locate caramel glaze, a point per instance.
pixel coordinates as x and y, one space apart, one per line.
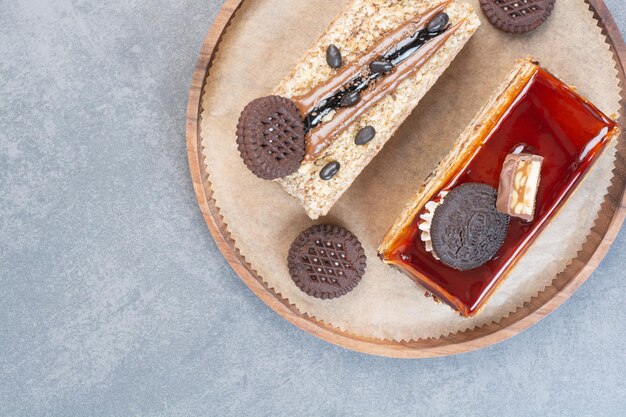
373 86
545 118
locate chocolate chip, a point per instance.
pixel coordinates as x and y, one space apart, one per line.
381 66
350 98
438 23
330 170
365 135
333 56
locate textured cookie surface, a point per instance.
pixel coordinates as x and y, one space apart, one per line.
517 16
270 137
326 261
467 229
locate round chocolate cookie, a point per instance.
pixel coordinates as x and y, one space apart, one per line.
270 137
326 261
467 230
517 16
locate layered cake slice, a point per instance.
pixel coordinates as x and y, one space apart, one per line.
349 93
507 176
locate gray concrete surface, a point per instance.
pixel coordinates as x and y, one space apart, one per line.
115 302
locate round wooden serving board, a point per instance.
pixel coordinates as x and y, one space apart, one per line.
611 218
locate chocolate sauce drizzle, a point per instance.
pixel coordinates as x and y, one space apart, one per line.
400 53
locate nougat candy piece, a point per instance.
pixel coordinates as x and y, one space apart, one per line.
519 184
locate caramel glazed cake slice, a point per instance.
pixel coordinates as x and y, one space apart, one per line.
464 147
363 27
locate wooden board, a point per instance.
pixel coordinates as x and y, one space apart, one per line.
611 218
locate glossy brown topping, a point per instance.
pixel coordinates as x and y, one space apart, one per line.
270 137
335 104
543 116
306 102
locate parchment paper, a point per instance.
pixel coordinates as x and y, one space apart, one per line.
265 40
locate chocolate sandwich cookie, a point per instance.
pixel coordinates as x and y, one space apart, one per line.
326 261
517 16
270 137
467 230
